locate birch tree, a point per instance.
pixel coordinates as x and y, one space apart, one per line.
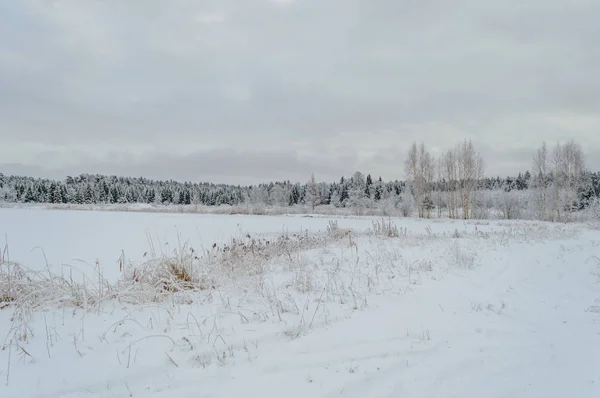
450 176
427 175
540 182
411 170
470 171
557 177
420 172
573 170
568 166
438 189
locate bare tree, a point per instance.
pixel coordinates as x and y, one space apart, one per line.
411 169
573 163
438 189
540 182
420 171
510 203
450 176
470 170
567 163
427 175
479 173
557 181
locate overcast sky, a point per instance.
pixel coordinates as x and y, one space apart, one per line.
243 91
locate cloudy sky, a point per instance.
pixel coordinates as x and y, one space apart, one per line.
242 91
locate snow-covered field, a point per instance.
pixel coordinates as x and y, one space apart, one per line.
80 238
444 309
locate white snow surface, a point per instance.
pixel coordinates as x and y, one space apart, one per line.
448 309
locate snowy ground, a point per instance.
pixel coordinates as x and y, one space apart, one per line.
447 309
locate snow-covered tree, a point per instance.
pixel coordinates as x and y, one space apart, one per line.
357 198
419 168
280 195
541 182
312 197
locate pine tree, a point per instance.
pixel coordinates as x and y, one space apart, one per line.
344 195
42 193
64 194
378 190
51 190
57 194
79 197
369 183
166 196
114 194
29 195
151 196
295 196
88 194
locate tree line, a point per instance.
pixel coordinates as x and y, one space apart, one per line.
559 184
452 185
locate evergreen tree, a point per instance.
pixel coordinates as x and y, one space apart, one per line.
57 194
295 196
114 194
64 193
29 196
166 196
369 183
378 190
88 194
344 195
79 199
42 193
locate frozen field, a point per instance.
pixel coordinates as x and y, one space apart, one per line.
439 309
80 238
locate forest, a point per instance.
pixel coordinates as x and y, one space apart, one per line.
454 185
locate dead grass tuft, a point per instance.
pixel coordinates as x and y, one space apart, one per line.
386 228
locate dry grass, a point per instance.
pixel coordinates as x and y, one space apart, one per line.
174 277
23 287
386 228
178 276
335 232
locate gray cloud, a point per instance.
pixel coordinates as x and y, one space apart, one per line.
219 166
188 89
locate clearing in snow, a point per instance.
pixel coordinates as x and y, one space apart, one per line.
100 304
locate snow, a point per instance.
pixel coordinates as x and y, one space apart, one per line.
448 309
80 238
